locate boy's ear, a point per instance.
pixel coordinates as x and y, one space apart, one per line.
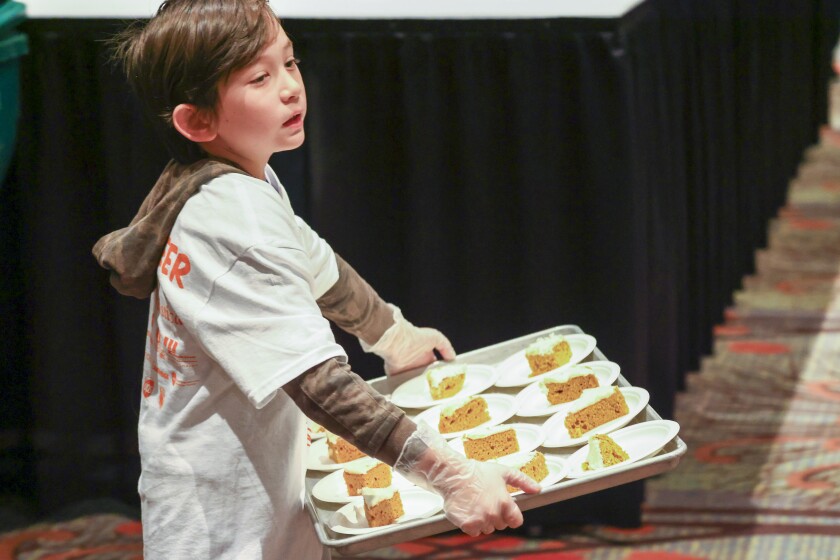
193 123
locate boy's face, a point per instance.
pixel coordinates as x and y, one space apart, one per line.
261 108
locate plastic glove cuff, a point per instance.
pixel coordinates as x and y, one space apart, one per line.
425 456
389 337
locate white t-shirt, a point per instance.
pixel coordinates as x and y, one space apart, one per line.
233 318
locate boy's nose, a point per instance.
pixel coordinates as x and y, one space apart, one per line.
291 89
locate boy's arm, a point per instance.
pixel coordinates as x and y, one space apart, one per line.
353 305
475 494
343 403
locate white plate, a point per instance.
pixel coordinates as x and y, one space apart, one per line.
639 441
312 427
414 393
556 434
558 468
417 504
501 407
514 371
318 458
332 488
532 402
529 436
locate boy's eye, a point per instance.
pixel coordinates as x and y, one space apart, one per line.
260 79
292 62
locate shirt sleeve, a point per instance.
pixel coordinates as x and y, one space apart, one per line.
261 322
322 258
255 286
321 255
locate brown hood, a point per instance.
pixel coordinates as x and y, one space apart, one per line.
133 253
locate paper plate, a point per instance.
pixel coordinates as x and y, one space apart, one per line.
529 436
333 489
639 441
501 407
318 459
514 371
417 504
557 469
556 434
532 402
414 393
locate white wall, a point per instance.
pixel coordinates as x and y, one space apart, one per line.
356 9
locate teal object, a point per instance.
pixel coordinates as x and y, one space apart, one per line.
11 15
13 45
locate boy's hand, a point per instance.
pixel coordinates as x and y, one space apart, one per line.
417 348
475 496
404 346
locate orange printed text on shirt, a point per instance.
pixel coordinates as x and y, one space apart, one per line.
173 264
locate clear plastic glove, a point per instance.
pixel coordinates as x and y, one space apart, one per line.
475 496
404 346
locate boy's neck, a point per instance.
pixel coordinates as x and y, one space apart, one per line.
254 168
237 165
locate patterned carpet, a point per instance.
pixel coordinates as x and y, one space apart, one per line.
761 419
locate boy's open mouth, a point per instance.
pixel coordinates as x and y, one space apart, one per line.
293 121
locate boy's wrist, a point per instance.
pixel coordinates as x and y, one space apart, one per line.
380 322
387 338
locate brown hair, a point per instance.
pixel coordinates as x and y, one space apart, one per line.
184 52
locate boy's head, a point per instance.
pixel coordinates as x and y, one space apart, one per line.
185 52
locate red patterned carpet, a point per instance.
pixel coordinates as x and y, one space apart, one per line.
761 417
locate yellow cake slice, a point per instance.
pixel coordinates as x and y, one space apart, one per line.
446 381
548 353
383 506
594 408
463 415
532 465
603 452
490 443
567 386
368 473
340 450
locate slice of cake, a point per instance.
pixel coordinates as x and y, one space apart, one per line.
567 386
463 415
340 450
548 353
383 506
366 473
603 452
532 465
595 407
446 380
490 443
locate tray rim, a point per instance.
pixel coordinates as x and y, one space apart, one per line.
564 490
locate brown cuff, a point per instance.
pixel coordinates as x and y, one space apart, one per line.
393 446
340 401
354 305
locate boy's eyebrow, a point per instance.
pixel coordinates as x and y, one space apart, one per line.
287 45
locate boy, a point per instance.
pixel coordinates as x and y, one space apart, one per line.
241 290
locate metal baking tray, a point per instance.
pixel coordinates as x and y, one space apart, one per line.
667 459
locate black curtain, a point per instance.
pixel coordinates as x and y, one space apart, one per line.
493 178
